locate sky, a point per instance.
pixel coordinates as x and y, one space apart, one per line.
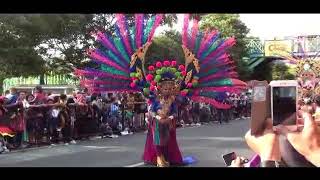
270 26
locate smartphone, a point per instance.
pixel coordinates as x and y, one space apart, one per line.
260 109
284 99
228 158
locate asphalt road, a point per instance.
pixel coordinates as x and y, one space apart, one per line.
206 143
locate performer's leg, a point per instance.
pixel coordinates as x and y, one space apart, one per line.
161 162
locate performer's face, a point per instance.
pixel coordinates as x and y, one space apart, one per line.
167 88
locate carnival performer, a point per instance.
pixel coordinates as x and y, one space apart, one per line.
206 75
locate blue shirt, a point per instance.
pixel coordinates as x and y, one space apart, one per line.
12 99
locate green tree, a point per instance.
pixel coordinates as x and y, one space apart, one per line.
70 37
230 25
17 54
61 39
281 71
262 72
166 46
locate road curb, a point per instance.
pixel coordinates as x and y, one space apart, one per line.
96 138
31 149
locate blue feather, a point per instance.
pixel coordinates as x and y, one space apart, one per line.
217 55
111 40
198 40
133 42
209 44
122 43
107 53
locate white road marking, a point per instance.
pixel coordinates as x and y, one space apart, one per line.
97 147
135 165
213 138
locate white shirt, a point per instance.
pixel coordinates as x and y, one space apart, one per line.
55 113
25 103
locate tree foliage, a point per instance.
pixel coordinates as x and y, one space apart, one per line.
281 71
17 54
262 72
166 46
52 42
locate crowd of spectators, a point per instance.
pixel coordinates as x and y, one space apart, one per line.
39 118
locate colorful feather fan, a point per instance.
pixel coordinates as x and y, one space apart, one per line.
207 74
119 56
208 61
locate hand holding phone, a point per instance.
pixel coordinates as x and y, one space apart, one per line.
228 158
284 102
260 109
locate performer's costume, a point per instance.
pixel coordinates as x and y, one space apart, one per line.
205 76
308 78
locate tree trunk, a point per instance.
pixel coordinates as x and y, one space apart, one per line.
1 84
42 79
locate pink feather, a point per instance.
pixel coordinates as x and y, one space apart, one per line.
218 63
221 65
214 76
205 42
102 82
80 72
223 57
185 30
197 91
155 25
194 32
239 83
139 21
227 44
210 101
99 89
96 56
102 38
126 38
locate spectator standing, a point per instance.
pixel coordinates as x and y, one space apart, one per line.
13 96
18 122
52 117
72 116
185 111
6 93
195 113
114 115
140 107
39 96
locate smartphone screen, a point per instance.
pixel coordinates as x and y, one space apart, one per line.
284 105
228 158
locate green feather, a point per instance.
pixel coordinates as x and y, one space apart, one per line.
114 57
112 70
148 28
120 47
217 83
211 49
198 40
133 39
211 71
209 94
156 133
